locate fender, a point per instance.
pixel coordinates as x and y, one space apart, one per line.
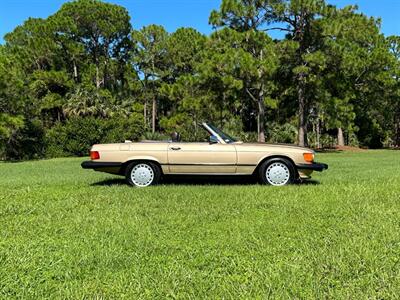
144 157
163 165
275 155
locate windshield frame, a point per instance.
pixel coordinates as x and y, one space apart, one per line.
222 136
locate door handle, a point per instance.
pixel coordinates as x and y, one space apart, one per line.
175 148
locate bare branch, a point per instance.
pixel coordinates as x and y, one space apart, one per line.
251 95
278 28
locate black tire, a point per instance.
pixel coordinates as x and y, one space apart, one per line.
155 169
282 162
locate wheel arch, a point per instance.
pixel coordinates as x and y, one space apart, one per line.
139 160
272 157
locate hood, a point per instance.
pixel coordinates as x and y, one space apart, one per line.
284 146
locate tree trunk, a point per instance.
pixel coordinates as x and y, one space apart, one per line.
397 129
302 136
261 116
317 134
105 76
105 79
75 72
145 113
261 105
340 137
153 123
96 60
98 83
153 120
397 142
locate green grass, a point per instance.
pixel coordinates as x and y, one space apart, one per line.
72 233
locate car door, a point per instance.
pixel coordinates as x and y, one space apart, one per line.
201 158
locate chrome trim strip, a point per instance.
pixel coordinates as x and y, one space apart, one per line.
209 151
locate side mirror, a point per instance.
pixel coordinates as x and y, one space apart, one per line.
213 139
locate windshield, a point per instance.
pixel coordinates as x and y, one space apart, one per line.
227 138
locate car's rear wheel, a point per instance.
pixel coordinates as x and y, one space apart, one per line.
277 172
142 174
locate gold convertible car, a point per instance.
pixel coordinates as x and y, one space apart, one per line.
144 163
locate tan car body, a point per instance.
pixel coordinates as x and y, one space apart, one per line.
200 158
205 158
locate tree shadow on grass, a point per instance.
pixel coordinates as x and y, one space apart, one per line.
200 180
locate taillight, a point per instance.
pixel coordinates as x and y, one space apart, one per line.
308 157
94 155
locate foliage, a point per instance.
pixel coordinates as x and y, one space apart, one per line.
334 75
75 137
285 133
73 233
149 59
77 134
120 128
26 141
186 126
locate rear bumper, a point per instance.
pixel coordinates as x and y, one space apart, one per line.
319 167
100 165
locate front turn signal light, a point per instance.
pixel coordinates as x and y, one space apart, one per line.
308 157
94 155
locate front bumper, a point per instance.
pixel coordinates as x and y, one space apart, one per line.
99 165
319 167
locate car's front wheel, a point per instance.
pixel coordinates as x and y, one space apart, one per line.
277 172
142 174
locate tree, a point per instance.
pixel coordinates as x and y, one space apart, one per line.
11 116
190 105
84 45
298 18
183 96
333 73
20 128
358 64
301 20
150 60
32 46
102 29
338 44
185 48
257 58
394 97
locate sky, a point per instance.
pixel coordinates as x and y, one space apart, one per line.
173 14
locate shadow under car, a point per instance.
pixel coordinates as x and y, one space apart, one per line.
201 180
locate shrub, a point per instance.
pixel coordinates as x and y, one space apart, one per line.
26 142
183 124
282 133
74 137
352 140
234 127
120 128
155 136
327 141
77 135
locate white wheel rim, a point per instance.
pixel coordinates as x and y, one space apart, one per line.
142 175
277 174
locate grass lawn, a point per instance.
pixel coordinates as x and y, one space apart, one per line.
66 232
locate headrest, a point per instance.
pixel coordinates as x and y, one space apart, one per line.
175 137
